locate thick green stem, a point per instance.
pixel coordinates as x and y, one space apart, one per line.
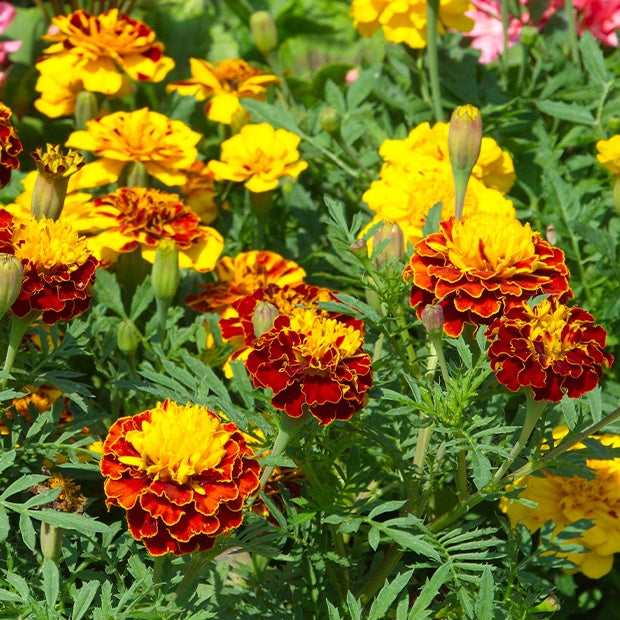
381 573
162 314
432 21
17 330
461 475
192 573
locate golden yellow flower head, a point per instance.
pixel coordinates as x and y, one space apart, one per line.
609 154
259 156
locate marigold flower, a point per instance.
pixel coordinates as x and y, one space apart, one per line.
312 364
288 477
180 490
564 500
609 154
259 156
242 276
165 147
10 146
70 498
482 266
139 217
59 270
224 84
103 51
554 349
405 21
199 191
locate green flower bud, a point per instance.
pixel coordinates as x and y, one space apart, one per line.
134 174
86 108
465 137
127 337
529 34
264 32
359 247
51 541
165 272
11 274
330 120
263 317
550 605
394 249
432 318
613 123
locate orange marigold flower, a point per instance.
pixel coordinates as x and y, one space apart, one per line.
164 146
139 217
103 51
224 84
482 266
554 349
59 270
312 364
10 146
180 489
242 276
259 156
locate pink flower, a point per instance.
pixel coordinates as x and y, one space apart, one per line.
600 17
7 14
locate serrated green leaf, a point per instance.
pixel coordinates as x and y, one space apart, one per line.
433 217
486 596
27 531
355 607
69 521
596 404
570 412
334 97
360 89
391 506
374 538
481 468
7 459
334 614
411 542
387 596
5 526
428 593
142 299
19 584
593 58
22 484
108 293
51 582
82 599
566 111
464 351
275 115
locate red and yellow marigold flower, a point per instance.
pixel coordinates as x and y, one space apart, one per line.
181 489
259 156
482 266
405 21
609 154
223 84
564 500
139 217
10 146
103 52
164 146
242 276
59 269
555 350
313 364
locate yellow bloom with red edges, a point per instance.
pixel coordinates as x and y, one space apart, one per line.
164 146
10 146
223 84
181 490
259 156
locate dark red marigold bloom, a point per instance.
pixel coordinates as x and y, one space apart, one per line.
181 474
553 349
10 146
479 267
313 363
59 270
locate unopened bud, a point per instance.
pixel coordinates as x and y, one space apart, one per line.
529 34
127 337
352 75
432 318
551 235
165 272
134 174
613 123
86 108
263 317
51 541
616 194
264 32
549 605
465 137
360 247
330 120
391 237
11 274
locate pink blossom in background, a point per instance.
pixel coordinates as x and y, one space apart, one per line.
7 14
600 17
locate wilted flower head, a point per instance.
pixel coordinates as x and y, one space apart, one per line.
405 21
555 350
59 269
223 84
10 146
70 499
164 146
104 51
564 500
482 266
181 489
259 156
139 217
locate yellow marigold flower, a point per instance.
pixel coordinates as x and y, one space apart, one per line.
404 21
10 146
104 51
609 154
138 217
199 191
224 84
564 500
259 156
164 146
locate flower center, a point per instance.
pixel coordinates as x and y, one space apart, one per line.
232 73
324 340
48 244
491 243
179 442
547 331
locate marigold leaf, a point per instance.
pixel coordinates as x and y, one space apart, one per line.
566 111
7 459
4 524
360 89
21 484
82 599
27 531
108 293
429 591
69 521
51 582
355 607
481 469
593 58
387 595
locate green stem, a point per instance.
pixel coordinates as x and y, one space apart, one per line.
436 344
432 21
382 572
353 155
461 475
16 333
162 313
411 354
192 572
158 567
572 31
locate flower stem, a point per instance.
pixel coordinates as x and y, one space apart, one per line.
16 333
572 30
162 313
432 20
382 572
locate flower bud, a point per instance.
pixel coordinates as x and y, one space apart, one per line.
11 274
86 108
50 188
529 34
330 120
550 234
263 317
165 272
51 541
550 605
127 337
264 32
134 174
465 137
613 123
359 247
352 75
616 194
394 249
432 318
